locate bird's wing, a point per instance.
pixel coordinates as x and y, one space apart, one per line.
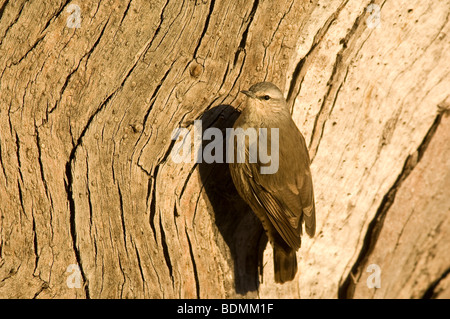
286 222
295 165
308 206
286 197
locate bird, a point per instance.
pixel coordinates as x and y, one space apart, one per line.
283 200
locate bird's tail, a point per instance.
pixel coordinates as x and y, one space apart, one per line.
285 264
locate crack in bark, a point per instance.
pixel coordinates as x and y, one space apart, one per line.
194 266
141 271
152 191
157 277
236 80
28 51
89 195
44 286
310 54
3 166
18 156
158 28
56 14
296 75
86 55
241 47
322 115
41 165
70 198
153 97
69 164
69 181
35 245
2 8
125 13
186 181
347 287
205 28
153 205
21 198
430 293
122 218
273 35
14 22
279 23
20 180
166 250
123 275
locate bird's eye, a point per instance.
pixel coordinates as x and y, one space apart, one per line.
266 97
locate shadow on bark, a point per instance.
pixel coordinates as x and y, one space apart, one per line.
237 224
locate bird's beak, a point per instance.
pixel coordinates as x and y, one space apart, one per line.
249 93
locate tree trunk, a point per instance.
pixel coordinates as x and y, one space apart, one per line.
93 205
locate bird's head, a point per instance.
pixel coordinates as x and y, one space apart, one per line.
265 96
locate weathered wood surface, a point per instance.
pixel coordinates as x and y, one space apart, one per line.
412 247
86 121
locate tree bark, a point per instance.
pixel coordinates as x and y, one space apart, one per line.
92 204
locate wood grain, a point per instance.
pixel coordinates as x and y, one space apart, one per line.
86 122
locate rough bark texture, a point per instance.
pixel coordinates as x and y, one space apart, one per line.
86 121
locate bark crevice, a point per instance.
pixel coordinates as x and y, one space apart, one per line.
347 286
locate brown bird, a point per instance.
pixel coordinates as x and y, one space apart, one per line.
282 199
